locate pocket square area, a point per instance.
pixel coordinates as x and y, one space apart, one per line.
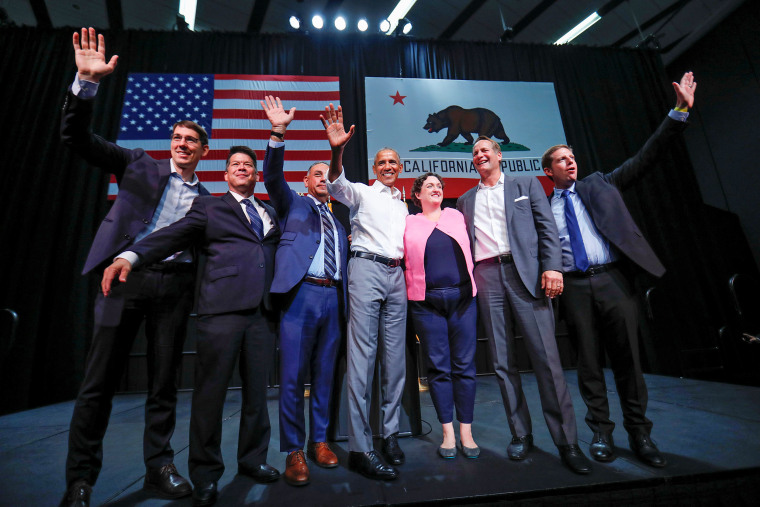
522 197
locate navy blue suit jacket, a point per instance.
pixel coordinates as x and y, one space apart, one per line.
140 177
600 193
238 268
301 228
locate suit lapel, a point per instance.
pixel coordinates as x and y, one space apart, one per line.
510 194
469 211
235 205
272 216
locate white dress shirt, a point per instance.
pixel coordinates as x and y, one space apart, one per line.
491 237
377 215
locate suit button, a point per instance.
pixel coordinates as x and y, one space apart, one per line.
126 236
261 265
146 221
311 257
317 241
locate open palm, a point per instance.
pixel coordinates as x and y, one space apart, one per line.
90 55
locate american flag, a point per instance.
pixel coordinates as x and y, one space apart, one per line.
227 106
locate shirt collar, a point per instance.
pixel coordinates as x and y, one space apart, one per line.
379 187
192 183
317 202
499 183
558 191
239 197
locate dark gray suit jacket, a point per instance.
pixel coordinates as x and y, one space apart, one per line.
532 232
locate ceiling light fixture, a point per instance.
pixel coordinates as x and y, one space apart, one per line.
582 27
362 25
340 23
406 24
400 11
295 22
317 22
187 9
385 26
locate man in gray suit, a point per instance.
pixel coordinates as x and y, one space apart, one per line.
515 246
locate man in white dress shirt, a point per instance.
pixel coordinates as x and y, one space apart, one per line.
377 299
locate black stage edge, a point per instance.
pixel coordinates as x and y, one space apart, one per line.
708 431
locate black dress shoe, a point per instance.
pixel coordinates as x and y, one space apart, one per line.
204 494
167 482
391 450
261 473
370 465
519 447
646 451
574 459
602 448
78 495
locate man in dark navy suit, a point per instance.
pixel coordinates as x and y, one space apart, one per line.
600 245
310 273
152 194
238 236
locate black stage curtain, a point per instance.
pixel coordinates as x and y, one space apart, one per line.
610 101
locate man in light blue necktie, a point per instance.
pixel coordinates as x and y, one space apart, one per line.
600 242
310 276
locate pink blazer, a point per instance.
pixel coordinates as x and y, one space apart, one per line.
418 230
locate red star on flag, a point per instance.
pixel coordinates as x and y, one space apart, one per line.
398 98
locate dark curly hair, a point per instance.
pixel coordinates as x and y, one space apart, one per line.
417 186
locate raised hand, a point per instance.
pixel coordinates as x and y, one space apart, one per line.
685 91
336 131
278 117
90 56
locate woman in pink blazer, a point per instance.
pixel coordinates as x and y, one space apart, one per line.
441 294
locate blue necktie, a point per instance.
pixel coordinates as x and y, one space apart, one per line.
329 238
257 226
576 240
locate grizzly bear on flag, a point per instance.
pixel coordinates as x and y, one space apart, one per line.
466 122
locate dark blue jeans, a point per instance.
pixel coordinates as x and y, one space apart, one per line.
445 323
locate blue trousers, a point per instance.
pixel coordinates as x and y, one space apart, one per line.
445 323
310 334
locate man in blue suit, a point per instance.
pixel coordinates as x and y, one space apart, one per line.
238 236
310 273
152 194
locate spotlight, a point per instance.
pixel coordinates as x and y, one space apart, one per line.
362 25
295 22
508 34
317 22
340 23
407 25
385 25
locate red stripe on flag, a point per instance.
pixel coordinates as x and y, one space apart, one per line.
293 135
211 176
282 94
258 114
222 154
260 77
455 187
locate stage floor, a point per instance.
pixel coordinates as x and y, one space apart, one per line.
708 431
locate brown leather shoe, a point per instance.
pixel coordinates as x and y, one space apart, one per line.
296 471
321 454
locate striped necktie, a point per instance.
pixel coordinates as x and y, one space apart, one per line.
329 239
257 225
